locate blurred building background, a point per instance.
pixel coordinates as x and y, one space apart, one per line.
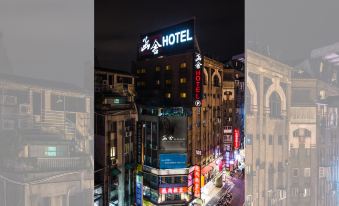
46 159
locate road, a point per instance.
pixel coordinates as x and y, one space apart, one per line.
236 187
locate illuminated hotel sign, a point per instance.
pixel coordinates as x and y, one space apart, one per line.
197 79
170 40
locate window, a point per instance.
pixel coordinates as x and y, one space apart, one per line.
157 82
183 95
183 65
280 140
168 81
142 71
51 152
168 95
183 80
216 82
167 67
157 68
138 71
307 172
270 140
295 172
275 105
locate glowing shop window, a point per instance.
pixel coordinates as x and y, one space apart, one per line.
183 80
168 67
183 95
183 65
168 95
51 152
157 69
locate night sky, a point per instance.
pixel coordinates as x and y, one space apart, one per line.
118 24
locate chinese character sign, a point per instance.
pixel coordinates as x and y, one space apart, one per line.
197 79
138 192
236 135
196 181
174 39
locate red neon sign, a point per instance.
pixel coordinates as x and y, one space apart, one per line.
196 181
173 190
236 142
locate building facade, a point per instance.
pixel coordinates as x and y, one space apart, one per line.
186 136
115 130
268 91
312 140
48 155
233 114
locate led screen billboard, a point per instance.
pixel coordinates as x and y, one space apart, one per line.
173 134
172 161
178 38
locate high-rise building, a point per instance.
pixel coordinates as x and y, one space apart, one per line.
115 130
179 132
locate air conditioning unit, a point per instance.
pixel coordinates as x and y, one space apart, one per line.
25 109
10 100
104 82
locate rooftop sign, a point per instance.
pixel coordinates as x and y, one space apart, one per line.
170 40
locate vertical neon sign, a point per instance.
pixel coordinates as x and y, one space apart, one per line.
236 142
138 192
197 79
196 181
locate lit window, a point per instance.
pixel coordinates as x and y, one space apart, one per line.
51 152
183 95
157 68
168 95
168 81
168 67
183 80
183 65
157 82
143 71
138 71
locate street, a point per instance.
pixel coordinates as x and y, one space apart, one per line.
237 189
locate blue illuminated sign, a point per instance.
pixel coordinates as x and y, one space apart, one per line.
170 40
138 192
172 161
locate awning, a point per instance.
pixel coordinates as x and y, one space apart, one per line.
115 172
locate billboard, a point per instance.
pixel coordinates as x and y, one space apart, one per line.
197 79
173 134
178 38
172 161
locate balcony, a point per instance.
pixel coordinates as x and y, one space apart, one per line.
40 164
